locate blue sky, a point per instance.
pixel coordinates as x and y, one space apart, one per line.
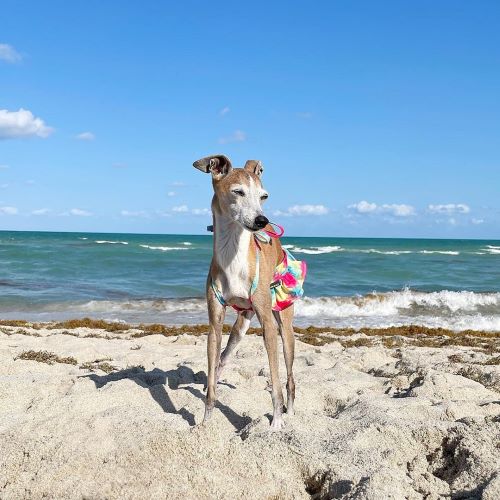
371 118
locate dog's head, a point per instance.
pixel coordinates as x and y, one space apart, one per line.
239 193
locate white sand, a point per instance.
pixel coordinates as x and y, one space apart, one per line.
371 423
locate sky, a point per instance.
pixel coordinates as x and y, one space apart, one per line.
372 119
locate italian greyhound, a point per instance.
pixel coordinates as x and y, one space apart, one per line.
241 274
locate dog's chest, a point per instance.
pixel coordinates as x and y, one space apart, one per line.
234 277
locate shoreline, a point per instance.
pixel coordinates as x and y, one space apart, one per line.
416 335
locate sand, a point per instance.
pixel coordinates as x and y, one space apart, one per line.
371 422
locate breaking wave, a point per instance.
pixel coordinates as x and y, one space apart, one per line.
331 249
492 249
102 242
163 249
447 309
314 250
442 252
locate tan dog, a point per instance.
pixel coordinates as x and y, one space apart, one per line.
237 215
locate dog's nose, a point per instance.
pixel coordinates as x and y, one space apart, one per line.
261 221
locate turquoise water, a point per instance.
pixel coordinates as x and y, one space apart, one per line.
351 281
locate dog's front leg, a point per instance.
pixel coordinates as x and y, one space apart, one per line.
216 315
264 313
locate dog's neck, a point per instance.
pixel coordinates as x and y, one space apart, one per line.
231 243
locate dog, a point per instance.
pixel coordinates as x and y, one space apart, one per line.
241 274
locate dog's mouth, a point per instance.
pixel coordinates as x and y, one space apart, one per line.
251 229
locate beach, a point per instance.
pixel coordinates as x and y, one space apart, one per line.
330 166
91 409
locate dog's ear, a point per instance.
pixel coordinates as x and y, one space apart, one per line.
254 166
218 165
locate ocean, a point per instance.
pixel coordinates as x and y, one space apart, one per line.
352 282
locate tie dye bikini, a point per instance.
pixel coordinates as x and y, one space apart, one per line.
288 278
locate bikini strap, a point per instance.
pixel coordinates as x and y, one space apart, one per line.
255 282
218 293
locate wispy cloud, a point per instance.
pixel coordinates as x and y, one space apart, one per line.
80 213
85 136
224 111
8 211
450 208
171 193
4 167
302 210
163 213
477 221
22 123
185 210
41 211
9 54
201 211
181 209
132 213
236 136
397 210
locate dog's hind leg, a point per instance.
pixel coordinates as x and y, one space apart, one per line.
285 324
216 315
238 331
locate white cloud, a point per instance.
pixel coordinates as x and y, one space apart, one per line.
201 211
181 209
224 111
9 54
397 210
8 210
22 123
363 207
129 213
477 221
85 136
236 136
301 210
184 209
79 212
450 208
41 211
171 193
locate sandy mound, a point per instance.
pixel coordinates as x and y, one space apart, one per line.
372 422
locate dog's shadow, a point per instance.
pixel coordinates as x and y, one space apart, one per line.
156 382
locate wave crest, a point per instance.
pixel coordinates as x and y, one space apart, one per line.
163 249
103 242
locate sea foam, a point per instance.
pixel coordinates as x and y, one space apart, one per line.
163 249
101 242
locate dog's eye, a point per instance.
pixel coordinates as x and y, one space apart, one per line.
264 197
239 192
